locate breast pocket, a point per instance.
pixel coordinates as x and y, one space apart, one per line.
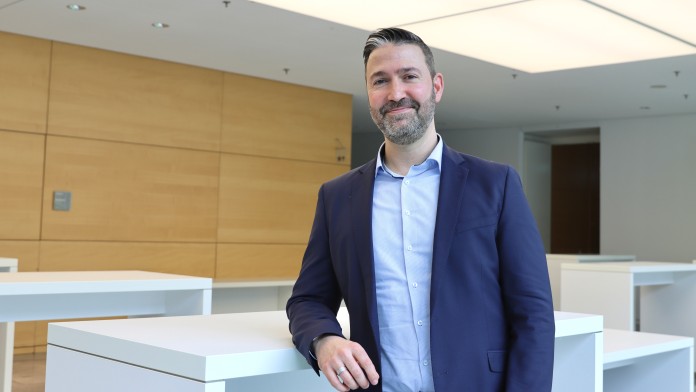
476 223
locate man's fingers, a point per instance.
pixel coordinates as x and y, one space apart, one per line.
335 353
357 378
368 369
335 381
359 373
357 362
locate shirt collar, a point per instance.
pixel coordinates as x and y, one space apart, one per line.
435 155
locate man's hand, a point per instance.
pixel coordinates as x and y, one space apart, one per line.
344 363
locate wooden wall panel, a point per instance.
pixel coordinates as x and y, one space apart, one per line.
24 75
21 174
174 258
112 96
27 255
258 261
24 340
266 200
138 143
126 192
274 119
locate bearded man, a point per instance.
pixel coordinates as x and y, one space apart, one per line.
434 252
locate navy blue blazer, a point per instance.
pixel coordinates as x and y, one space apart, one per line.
492 321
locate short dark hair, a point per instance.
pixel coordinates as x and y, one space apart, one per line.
397 36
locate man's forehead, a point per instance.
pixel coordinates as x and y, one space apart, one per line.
390 58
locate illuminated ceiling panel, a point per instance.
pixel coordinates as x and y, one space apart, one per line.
371 15
548 35
530 36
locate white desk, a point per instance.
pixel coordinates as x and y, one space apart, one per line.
30 296
7 333
646 362
242 352
578 352
554 261
667 294
8 264
241 296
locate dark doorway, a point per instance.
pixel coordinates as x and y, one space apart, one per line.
575 198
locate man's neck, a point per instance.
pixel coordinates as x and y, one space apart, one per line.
399 159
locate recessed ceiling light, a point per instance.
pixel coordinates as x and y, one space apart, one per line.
76 7
160 25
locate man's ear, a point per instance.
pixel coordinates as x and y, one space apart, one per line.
438 86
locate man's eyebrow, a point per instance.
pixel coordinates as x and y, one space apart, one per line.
400 71
377 74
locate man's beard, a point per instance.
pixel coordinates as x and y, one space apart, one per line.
411 131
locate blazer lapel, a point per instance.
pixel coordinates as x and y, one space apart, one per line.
452 180
361 221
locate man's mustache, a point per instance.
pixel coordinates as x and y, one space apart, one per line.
402 103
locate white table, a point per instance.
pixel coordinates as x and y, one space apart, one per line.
646 362
8 264
241 296
7 332
554 261
242 352
667 294
31 296
578 353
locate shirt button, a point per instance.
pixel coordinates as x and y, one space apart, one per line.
409 247
407 182
420 322
408 213
415 285
425 363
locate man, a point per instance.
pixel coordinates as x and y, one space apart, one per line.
434 252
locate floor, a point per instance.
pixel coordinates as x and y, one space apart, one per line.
29 373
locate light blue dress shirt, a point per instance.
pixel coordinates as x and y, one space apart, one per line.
403 227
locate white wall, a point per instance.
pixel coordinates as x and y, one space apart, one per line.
537 186
648 188
500 145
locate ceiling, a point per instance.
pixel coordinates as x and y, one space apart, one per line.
248 38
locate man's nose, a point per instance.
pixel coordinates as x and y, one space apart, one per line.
397 91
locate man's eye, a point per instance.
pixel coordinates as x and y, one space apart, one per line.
377 82
409 77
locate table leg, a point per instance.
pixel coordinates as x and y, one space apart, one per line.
188 302
669 309
6 355
578 363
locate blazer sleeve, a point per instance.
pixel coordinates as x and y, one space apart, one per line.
316 296
526 293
